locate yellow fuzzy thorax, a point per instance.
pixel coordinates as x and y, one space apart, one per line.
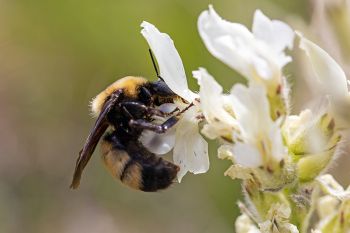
129 84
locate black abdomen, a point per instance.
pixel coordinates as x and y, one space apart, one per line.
135 166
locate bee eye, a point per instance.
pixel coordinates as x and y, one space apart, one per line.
161 89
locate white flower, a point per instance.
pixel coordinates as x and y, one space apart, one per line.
190 150
257 55
216 107
259 140
329 74
330 80
258 148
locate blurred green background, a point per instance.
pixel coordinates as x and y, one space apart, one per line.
54 57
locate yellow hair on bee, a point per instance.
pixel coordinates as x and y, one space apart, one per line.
129 84
114 160
117 161
133 176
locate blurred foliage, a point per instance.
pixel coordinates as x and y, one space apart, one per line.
55 56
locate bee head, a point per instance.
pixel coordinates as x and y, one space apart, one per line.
161 92
130 86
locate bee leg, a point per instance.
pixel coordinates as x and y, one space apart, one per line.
144 124
140 109
157 112
126 111
172 112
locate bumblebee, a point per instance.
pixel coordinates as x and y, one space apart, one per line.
128 107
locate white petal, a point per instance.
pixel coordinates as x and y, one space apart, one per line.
326 206
236 46
291 228
256 126
225 40
169 61
220 122
160 143
238 171
190 150
251 109
278 150
275 33
244 224
167 107
225 152
295 125
326 69
247 155
332 187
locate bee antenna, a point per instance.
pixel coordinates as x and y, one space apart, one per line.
154 64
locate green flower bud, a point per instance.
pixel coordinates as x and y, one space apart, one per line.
311 142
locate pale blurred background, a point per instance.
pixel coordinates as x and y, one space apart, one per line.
54 57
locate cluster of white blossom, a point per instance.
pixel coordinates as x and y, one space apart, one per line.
280 157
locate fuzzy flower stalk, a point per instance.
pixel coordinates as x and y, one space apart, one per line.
280 157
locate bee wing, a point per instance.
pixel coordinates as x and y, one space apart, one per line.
96 133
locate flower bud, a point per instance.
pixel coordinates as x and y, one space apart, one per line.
311 141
